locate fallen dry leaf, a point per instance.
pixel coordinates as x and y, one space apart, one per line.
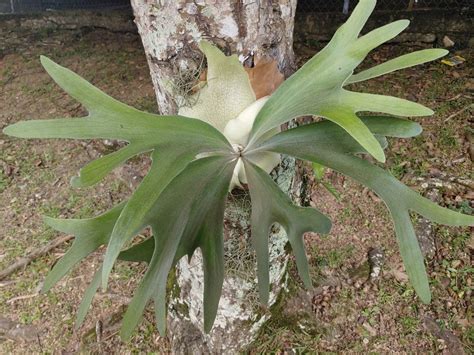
264 77
370 329
470 243
400 275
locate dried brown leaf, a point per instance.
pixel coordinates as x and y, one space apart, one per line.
400 274
264 77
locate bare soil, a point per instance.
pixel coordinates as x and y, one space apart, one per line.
346 312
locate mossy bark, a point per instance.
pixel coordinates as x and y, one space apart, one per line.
170 31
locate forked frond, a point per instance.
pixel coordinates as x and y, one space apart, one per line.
327 144
317 88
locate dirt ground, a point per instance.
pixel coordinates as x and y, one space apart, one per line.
346 312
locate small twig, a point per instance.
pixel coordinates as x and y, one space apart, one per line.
454 98
39 342
111 335
22 262
459 112
7 283
19 298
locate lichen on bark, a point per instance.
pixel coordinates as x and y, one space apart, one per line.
240 314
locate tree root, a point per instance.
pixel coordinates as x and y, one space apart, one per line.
23 261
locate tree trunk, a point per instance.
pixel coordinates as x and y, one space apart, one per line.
240 314
170 31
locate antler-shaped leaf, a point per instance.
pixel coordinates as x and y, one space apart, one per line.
329 145
175 142
183 197
89 235
111 119
136 214
402 62
271 205
317 88
183 219
139 252
120 224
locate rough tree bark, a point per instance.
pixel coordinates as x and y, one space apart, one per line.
170 30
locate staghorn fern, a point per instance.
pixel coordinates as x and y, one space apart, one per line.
229 138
